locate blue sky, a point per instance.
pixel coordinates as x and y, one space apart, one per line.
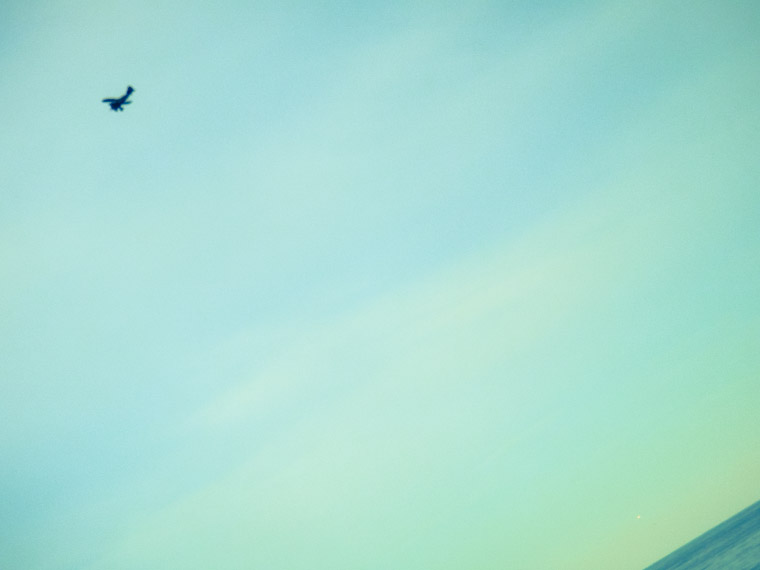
383 285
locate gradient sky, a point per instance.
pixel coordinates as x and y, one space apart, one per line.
376 285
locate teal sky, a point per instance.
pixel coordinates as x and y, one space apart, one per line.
376 285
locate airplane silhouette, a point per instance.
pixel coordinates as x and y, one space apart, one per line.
116 104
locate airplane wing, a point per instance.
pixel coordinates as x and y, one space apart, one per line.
109 100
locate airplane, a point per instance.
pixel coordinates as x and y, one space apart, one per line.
116 104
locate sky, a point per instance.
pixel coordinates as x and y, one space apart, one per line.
376 284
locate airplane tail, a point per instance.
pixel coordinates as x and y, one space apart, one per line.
129 90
